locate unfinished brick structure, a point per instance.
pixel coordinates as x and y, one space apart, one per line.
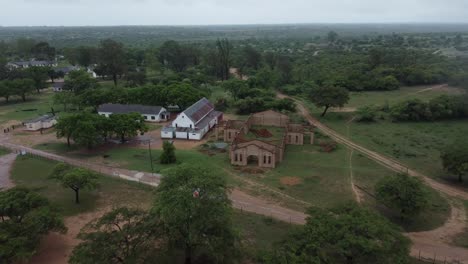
263 149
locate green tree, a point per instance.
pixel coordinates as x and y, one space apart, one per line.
64 98
402 193
128 125
193 204
235 87
366 114
6 90
39 75
74 178
332 36
25 217
328 96
168 155
346 234
87 130
66 126
455 159
112 59
252 58
182 94
79 81
22 87
124 235
223 56
43 51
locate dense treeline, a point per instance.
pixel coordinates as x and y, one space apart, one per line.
440 108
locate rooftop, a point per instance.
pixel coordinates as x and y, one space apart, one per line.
125 109
199 110
43 118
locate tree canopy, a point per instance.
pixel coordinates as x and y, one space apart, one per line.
124 235
346 234
328 96
25 217
455 159
403 193
74 178
193 204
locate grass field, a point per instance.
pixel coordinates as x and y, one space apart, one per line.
3 151
358 99
416 144
36 105
258 233
34 172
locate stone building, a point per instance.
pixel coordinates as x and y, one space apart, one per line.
253 143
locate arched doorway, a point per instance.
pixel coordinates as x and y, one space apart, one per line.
252 160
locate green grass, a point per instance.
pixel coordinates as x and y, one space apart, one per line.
358 99
4 151
36 105
416 144
258 233
33 173
461 240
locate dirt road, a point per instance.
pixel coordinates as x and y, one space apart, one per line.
5 165
383 160
430 244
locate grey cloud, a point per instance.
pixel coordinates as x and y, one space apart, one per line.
183 12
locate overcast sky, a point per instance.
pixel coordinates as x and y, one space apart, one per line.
205 12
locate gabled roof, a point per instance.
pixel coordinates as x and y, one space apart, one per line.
125 109
58 85
43 118
198 110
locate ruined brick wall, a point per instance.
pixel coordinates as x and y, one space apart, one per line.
295 138
270 118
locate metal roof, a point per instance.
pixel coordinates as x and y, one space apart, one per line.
43 118
125 109
198 110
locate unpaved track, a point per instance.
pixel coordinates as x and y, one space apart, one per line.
430 244
425 243
383 160
6 161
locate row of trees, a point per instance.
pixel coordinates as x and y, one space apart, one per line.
90 130
439 108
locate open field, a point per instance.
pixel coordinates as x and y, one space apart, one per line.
425 93
258 233
3 151
36 105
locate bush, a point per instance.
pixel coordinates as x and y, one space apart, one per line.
168 155
366 114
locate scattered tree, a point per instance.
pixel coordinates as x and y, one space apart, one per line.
346 234
168 155
328 96
25 217
455 159
193 204
124 235
128 125
112 59
403 193
74 178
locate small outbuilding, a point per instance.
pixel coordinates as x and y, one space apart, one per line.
149 113
42 122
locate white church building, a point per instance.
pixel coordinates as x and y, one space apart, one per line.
194 122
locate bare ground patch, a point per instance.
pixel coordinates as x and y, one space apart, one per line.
290 181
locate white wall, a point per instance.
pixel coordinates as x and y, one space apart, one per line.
195 136
181 135
183 121
167 134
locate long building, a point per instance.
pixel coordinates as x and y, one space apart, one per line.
149 113
194 122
